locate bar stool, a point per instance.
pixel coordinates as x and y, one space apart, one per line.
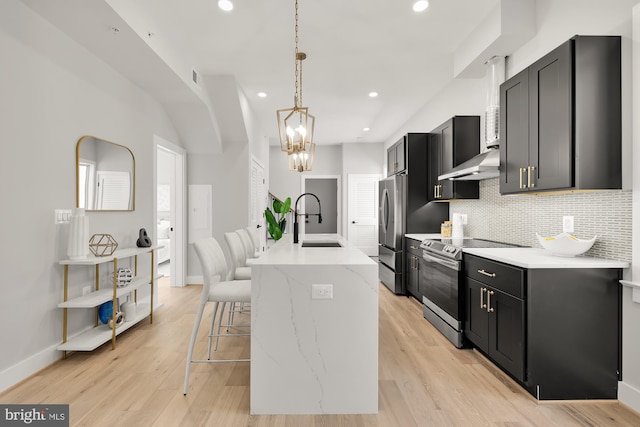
216 289
247 244
238 257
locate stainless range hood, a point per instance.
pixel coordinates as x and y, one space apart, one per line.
486 164
483 166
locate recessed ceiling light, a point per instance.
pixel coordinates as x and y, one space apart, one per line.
373 94
420 5
262 94
225 5
365 129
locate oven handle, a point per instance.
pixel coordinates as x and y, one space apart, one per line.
450 264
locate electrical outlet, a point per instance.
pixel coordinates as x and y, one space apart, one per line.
321 291
464 219
567 224
86 290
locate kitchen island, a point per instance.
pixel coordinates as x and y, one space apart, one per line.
314 329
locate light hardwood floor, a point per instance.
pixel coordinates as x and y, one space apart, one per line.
423 381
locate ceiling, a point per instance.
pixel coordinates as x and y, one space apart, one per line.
353 47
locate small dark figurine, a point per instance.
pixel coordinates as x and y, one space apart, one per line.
143 239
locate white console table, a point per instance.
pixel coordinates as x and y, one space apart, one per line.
100 333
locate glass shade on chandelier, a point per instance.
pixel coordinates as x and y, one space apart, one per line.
302 160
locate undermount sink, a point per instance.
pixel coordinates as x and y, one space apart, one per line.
320 244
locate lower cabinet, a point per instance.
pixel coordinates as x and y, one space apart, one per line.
556 331
495 324
412 268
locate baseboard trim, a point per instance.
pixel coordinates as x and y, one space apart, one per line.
629 395
25 368
194 280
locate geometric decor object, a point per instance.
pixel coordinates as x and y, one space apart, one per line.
102 244
124 277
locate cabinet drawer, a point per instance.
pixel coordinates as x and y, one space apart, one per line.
413 247
500 276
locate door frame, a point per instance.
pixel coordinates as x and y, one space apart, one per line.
178 236
338 179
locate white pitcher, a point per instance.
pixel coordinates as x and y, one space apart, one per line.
457 230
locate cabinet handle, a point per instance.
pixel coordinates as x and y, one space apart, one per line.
486 274
521 172
482 292
489 308
529 169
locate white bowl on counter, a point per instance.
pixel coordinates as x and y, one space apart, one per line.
565 244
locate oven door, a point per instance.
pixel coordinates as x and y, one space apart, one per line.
440 287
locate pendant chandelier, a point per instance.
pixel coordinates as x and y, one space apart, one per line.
296 125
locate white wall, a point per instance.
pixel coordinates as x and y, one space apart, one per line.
54 92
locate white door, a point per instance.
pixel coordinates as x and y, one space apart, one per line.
362 215
259 200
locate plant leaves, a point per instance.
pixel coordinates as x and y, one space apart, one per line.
277 206
271 219
286 206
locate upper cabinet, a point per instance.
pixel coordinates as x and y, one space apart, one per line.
453 142
396 157
560 120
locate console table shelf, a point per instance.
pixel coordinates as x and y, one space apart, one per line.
100 333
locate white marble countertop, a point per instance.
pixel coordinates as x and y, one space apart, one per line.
422 236
540 258
285 252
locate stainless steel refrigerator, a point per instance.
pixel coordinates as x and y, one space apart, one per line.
391 230
404 209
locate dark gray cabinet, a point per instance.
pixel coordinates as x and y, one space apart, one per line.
560 120
414 258
556 331
453 142
495 312
396 157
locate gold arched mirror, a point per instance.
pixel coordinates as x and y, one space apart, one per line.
105 175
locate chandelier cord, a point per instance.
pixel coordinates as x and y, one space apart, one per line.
298 65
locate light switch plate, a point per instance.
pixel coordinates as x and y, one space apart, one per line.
61 216
321 291
567 224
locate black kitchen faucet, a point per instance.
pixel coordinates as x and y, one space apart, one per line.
295 215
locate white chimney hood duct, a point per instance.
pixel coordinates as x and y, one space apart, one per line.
487 163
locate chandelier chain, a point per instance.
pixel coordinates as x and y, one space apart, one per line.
298 65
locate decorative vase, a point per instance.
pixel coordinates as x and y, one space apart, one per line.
78 245
129 309
143 239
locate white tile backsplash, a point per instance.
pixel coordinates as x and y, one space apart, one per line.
517 218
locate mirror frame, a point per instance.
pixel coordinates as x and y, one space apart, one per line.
133 176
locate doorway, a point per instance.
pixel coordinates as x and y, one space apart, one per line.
170 211
327 188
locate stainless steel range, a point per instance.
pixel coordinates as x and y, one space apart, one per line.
442 283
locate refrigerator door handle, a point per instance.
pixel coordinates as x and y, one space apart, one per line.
384 210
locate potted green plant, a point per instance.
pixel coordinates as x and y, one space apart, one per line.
277 224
